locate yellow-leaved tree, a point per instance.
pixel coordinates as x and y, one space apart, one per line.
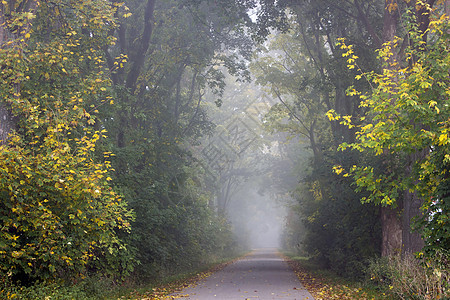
407 123
58 214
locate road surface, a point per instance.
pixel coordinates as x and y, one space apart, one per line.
261 275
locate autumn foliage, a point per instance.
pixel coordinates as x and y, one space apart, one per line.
407 117
58 214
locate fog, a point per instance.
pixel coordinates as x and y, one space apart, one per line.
257 218
248 164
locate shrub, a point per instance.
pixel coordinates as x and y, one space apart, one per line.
411 278
90 288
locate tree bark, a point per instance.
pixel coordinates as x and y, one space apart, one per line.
412 241
391 228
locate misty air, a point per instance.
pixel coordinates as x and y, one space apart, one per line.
232 149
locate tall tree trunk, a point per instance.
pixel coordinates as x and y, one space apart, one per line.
137 57
412 241
391 218
392 227
138 51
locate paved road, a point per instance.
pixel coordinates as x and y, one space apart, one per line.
261 275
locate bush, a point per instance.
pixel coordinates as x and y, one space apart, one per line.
41 291
411 278
91 288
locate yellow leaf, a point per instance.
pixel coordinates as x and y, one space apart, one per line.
443 139
437 109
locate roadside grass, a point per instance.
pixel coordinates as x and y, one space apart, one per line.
98 288
325 285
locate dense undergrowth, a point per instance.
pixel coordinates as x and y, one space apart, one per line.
384 278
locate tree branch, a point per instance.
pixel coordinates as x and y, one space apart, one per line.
142 45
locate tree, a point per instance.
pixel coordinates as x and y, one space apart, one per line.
407 122
59 216
308 80
168 55
376 23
